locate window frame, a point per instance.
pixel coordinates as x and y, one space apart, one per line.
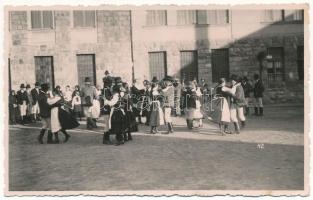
84 18
283 19
228 18
156 25
273 60
42 28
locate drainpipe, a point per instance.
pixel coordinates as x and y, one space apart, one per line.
131 46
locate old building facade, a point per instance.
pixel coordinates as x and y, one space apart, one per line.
64 46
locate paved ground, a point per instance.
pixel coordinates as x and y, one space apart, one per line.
267 155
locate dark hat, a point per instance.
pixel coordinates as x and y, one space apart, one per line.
146 82
44 87
155 79
22 85
37 84
118 80
168 78
234 77
106 72
27 86
87 80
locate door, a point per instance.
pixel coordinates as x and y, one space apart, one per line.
300 62
44 70
220 64
157 63
86 68
189 65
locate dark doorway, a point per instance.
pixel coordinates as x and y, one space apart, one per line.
220 64
189 65
157 63
44 70
86 67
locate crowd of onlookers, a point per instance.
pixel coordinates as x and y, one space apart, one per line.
156 101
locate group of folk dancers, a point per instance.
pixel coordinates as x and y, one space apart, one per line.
120 105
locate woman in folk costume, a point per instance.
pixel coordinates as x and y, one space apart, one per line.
77 106
192 105
106 109
156 113
117 115
146 101
138 95
168 97
221 107
198 102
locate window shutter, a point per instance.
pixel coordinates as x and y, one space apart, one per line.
47 19
78 18
89 18
202 16
36 19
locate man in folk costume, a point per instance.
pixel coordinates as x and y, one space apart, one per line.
22 100
156 113
35 109
107 96
168 95
237 103
88 94
258 95
45 113
117 115
177 96
190 105
138 93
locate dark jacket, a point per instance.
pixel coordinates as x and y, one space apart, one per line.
107 94
239 98
21 96
45 108
190 99
35 95
247 88
258 89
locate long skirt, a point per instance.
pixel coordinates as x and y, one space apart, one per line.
130 121
117 121
220 110
23 108
55 122
156 116
67 120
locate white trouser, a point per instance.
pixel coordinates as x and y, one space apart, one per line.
237 113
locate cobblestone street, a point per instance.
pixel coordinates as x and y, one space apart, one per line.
267 155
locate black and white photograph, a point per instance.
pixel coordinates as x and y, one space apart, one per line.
156 99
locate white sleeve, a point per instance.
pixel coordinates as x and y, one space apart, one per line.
52 101
113 101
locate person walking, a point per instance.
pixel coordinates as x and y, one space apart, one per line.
22 100
258 95
107 96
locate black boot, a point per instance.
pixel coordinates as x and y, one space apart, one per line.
226 129
49 139
168 129
40 137
243 124
67 136
189 124
106 138
256 111
94 123
237 128
261 111
56 138
125 138
89 123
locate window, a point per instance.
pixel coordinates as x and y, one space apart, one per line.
300 62
42 19
84 18
275 64
156 18
282 15
293 15
189 65
157 63
212 16
272 15
186 17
